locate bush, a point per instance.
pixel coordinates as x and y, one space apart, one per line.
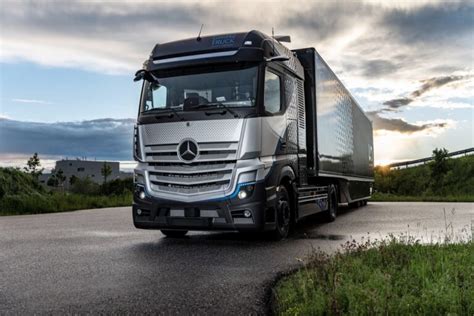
453 178
117 187
13 181
85 186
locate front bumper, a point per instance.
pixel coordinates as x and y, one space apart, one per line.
217 214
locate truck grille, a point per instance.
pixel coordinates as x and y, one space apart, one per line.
211 171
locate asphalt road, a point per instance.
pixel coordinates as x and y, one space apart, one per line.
96 261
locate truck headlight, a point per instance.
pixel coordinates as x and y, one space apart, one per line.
246 191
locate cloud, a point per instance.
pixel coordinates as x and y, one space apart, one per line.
397 103
321 21
427 85
378 67
434 83
31 101
102 139
401 126
432 23
117 36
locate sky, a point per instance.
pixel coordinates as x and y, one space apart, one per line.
66 68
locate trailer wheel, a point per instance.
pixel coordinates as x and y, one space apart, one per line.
174 233
283 214
331 213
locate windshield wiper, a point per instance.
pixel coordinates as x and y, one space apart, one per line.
164 111
215 105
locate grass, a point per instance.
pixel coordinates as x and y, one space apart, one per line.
58 202
387 197
390 278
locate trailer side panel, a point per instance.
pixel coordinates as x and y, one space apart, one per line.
344 133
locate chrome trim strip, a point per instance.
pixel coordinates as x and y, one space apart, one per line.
191 57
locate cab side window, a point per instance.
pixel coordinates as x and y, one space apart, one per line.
272 95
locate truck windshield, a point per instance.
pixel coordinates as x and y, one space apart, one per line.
229 88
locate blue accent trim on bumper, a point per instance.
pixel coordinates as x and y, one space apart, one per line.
234 194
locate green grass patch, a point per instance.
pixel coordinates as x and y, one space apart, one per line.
392 278
58 202
387 197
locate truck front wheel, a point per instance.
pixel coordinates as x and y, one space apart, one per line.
283 214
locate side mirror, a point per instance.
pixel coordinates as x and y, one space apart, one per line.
277 58
139 75
144 74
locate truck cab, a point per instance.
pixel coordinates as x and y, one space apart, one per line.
221 138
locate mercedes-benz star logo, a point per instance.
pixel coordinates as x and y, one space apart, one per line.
188 150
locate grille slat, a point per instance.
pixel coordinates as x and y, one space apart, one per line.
211 171
200 168
190 180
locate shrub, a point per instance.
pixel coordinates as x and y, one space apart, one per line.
85 186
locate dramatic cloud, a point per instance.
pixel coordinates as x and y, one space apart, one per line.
117 36
397 103
432 23
434 83
102 139
400 125
429 84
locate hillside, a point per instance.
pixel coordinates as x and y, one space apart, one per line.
20 193
456 181
16 182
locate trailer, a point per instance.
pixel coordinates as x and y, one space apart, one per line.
237 132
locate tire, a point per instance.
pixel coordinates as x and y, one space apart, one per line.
283 214
174 233
331 213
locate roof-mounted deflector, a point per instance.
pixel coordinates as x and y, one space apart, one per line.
283 38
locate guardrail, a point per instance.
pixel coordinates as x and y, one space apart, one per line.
406 164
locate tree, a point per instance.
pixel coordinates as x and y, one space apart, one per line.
73 179
52 181
33 166
106 171
60 177
439 168
57 178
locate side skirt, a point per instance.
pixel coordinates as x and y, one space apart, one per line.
312 200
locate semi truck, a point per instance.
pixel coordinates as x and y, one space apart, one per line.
238 132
